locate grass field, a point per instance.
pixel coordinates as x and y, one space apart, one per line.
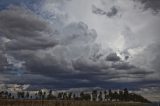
64 103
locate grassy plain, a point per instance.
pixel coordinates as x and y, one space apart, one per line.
6 102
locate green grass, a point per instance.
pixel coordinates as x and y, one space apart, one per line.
64 103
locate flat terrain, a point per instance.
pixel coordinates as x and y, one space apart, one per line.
64 103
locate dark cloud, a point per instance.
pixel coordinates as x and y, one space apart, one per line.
122 66
25 30
126 57
3 62
31 40
113 57
30 44
113 11
153 4
47 66
47 55
98 11
22 33
81 71
138 71
88 66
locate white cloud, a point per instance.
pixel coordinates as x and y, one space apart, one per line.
13 87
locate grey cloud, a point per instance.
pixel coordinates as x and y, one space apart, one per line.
54 67
113 57
75 40
153 4
30 44
75 58
3 62
98 11
81 68
110 70
76 33
126 57
113 11
25 30
31 79
22 33
17 19
151 56
122 65
156 56
139 71
48 66
86 65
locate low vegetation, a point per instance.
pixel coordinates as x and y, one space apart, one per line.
94 98
65 103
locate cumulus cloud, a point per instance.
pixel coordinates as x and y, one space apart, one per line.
63 44
25 30
113 11
32 46
153 4
113 57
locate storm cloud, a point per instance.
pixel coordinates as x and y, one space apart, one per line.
112 12
113 57
59 44
152 4
24 30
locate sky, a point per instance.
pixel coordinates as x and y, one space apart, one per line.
59 44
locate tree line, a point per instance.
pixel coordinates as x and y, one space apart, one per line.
95 95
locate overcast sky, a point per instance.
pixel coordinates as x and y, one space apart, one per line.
80 43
